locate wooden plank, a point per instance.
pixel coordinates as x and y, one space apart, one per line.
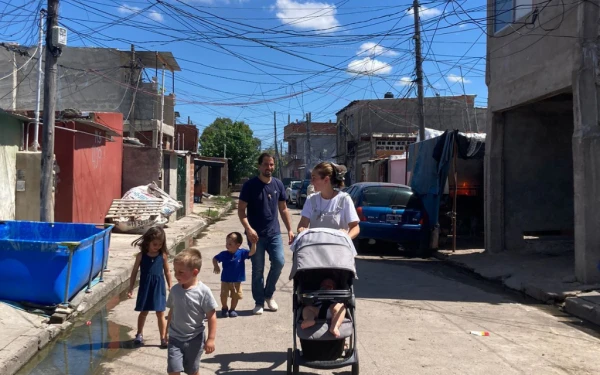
134 208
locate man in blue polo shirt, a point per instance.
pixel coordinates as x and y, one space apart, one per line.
260 201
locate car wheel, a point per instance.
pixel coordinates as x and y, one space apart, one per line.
361 245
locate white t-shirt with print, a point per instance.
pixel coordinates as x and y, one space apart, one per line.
339 209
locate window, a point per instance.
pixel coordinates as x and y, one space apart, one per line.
522 8
509 11
386 196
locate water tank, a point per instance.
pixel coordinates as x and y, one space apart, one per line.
388 95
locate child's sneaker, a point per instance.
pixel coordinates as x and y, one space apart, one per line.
139 339
233 314
224 313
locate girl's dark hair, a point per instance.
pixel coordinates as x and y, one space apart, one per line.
154 233
335 172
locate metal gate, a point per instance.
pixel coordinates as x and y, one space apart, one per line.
181 185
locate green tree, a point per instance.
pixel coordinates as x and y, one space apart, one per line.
241 146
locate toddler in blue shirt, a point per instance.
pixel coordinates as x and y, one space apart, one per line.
234 272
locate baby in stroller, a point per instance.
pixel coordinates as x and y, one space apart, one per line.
334 311
324 320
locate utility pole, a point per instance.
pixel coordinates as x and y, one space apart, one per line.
47 178
462 81
277 156
308 152
133 84
36 130
225 151
160 132
419 69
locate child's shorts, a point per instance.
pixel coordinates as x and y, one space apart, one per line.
184 356
233 290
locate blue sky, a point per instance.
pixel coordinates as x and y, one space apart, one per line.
246 59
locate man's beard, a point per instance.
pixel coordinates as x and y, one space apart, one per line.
267 173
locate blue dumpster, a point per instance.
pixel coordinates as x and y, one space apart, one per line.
48 263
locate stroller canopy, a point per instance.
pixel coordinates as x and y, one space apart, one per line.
323 248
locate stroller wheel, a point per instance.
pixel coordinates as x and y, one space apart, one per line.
290 361
355 365
295 364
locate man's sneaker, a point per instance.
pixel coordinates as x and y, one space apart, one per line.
258 310
139 339
233 314
224 313
271 304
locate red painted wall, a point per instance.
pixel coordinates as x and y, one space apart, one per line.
90 170
97 171
64 142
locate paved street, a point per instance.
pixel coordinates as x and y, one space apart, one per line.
414 317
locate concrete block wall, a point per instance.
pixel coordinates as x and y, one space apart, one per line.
78 87
29 170
518 63
140 166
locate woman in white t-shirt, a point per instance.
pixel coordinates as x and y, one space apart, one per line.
328 207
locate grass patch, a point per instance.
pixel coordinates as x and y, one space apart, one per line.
212 214
222 201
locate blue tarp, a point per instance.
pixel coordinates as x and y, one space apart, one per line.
428 175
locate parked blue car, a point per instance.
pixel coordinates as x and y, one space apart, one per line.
390 213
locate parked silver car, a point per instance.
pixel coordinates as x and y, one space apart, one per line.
292 191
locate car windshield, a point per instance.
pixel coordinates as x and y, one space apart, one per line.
386 196
296 185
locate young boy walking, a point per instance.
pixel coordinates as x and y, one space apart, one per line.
190 302
234 272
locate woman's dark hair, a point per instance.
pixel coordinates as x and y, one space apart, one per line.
264 155
335 172
154 233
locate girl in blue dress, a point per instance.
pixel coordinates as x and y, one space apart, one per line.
152 261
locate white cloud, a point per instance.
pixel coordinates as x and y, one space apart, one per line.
368 67
404 81
425 12
128 9
455 78
462 25
308 15
374 49
156 16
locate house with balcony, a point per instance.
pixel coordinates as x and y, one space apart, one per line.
543 153
107 80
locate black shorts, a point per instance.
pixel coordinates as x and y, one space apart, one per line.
184 356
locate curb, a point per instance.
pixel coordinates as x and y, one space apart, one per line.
572 303
508 280
27 345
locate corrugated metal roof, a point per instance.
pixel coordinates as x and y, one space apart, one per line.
152 59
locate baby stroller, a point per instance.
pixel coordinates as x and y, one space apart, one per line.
321 254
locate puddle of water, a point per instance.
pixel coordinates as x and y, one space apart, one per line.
82 349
